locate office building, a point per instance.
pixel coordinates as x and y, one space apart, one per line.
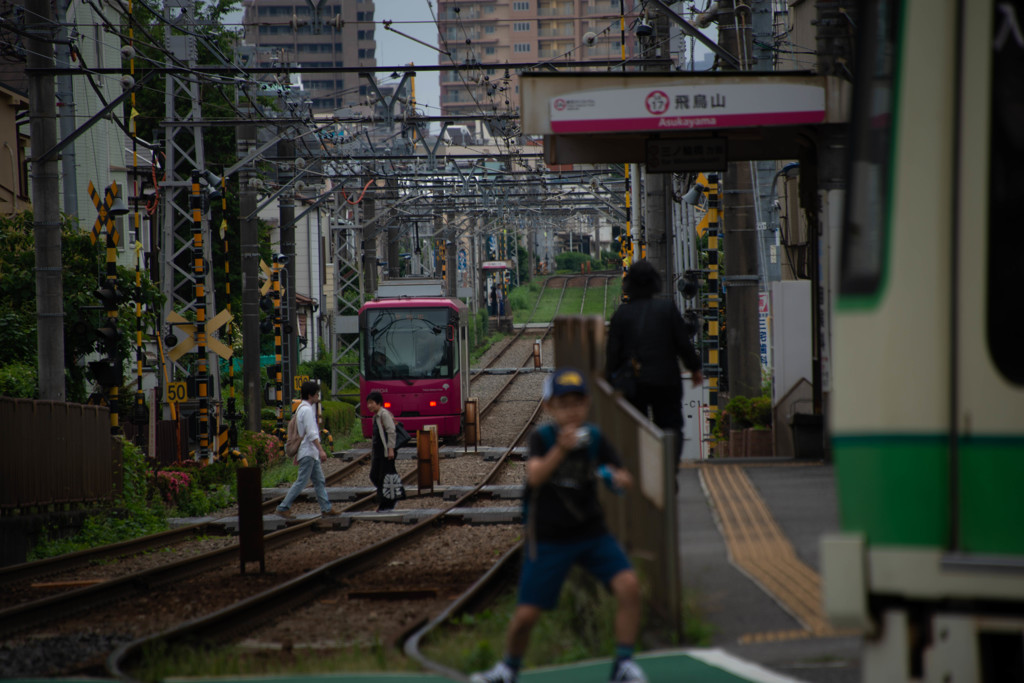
516 32
336 33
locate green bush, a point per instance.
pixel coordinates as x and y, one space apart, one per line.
260 449
18 380
136 512
339 416
571 261
318 369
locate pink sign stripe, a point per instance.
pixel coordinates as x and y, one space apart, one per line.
787 118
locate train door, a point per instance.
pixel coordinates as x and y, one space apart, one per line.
988 453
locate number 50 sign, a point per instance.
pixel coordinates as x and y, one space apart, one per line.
177 392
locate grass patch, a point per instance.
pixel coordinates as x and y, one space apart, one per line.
547 307
490 340
135 513
572 301
580 627
160 662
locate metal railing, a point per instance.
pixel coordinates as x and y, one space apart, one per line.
644 519
56 453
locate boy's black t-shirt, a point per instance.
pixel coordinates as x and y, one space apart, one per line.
566 507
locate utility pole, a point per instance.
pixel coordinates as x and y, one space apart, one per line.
654 230
369 230
66 98
740 231
392 249
286 212
45 187
252 395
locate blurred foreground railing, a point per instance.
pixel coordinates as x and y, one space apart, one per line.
644 519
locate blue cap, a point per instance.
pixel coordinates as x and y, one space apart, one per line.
565 381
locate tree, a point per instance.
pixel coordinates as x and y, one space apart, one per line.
83 265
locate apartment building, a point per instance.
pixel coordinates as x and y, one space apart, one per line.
518 31
335 33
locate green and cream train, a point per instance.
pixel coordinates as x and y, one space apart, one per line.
927 405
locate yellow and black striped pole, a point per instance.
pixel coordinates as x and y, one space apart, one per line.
713 303
199 283
233 450
111 281
275 294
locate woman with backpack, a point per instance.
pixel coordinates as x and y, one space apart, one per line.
309 455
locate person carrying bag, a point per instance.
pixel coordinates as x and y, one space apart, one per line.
383 474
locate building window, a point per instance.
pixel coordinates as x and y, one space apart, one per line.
490 50
521 47
520 6
521 26
490 29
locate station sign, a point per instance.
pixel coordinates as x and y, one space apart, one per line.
687 107
690 154
495 265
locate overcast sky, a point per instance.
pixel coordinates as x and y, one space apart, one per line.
413 18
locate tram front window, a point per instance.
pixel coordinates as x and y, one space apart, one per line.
407 344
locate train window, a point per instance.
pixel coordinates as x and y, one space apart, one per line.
867 207
1006 178
400 343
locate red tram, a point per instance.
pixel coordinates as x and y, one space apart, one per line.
414 349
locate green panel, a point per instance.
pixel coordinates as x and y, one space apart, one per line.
894 489
991 499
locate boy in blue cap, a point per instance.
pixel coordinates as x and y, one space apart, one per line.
565 526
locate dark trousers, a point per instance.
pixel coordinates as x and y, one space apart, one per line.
666 407
381 466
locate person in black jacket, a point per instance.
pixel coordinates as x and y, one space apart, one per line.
647 338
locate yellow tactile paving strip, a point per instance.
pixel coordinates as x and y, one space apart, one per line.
759 549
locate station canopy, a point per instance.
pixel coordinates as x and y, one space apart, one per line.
678 120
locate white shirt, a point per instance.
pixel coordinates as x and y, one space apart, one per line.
306 422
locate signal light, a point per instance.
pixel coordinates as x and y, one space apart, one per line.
108 294
109 336
387 404
266 326
433 404
108 373
266 303
272 371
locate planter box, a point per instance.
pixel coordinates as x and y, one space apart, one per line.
808 436
759 443
737 443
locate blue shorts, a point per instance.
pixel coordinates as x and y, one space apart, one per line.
542 575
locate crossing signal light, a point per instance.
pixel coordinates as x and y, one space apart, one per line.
266 303
266 326
272 371
109 336
108 372
108 295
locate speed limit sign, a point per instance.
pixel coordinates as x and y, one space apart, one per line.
177 392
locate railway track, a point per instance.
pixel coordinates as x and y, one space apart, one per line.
165 598
368 574
58 572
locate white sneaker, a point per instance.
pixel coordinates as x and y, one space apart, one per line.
499 673
628 670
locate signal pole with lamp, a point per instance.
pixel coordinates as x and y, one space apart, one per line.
109 372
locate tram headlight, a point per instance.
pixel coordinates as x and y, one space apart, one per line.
444 399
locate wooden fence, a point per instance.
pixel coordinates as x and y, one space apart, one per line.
56 453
